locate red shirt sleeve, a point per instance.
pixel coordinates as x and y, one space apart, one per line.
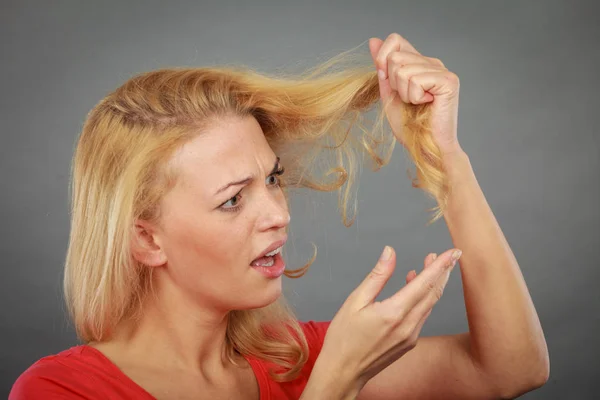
315 335
83 373
80 372
314 331
42 381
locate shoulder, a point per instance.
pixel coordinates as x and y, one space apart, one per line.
315 332
49 377
80 372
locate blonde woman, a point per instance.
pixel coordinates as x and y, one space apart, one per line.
180 212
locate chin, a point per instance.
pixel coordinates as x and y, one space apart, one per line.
269 294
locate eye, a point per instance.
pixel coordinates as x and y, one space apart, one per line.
233 203
275 180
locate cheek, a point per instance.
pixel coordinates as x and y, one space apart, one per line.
215 245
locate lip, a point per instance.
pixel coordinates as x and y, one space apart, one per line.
272 247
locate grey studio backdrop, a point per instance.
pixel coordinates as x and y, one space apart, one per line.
528 119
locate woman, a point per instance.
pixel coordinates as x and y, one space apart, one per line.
179 216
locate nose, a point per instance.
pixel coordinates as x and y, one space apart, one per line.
274 213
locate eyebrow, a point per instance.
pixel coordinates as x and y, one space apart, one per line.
247 179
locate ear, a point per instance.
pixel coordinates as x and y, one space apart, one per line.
145 246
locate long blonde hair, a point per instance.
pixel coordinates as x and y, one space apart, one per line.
120 172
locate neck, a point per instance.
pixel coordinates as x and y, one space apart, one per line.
176 332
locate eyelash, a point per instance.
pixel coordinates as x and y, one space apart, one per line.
279 172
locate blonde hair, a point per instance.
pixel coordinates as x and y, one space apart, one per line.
120 171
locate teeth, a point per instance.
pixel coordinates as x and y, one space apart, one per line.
270 261
267 263
276 251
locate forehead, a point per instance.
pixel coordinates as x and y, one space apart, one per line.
230 149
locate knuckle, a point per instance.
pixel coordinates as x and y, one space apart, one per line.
411 341
401 314
410 345
394 35
405 333
397 57
430 285
414 338
399 73
438 292
377 273
389 319
412 80
437 61
451 76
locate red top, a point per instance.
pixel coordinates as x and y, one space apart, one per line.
82 372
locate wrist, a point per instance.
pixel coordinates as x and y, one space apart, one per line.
328 381
455 162
449 156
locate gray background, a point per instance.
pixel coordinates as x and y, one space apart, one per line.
528 120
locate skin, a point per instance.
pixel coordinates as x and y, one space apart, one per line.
201 251
504 353
199 276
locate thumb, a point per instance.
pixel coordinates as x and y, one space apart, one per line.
368 290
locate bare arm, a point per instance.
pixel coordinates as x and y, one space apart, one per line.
504 354
506 338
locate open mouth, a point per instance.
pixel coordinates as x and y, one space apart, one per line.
268 260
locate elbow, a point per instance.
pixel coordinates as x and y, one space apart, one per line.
535 380
541 374
539 380
544 374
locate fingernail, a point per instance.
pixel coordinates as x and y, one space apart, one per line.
387 253
456 255
381 74
434 256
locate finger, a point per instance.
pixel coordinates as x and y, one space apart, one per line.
370 288
393 42
410 276
418 315
384 85
428 260
436 61
440 82
405 58
402 76
417 330
407 298
419 326
374 46
416 94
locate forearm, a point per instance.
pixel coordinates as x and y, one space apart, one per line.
507 340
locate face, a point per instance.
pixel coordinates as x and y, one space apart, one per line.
225 210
